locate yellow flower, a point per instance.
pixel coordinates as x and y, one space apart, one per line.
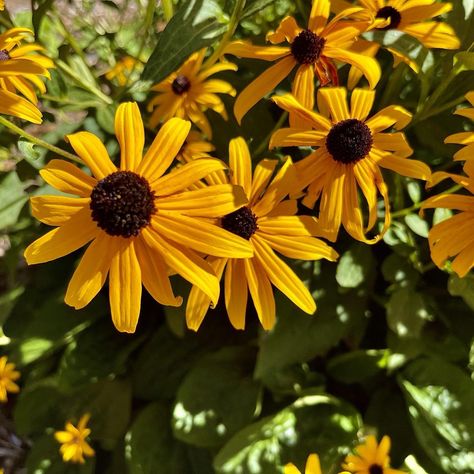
194 147
73 441
351 148
453 236
408 16
122 70
188 94
140 221
2 6
8 375
312 466
269 223
371 458
19 70
313 50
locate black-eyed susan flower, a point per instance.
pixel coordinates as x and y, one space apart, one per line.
351 149
20 65
188 93
453 236
409 16
139 221
73 441
268 222
371 458
8 376
313 50
123 69
313 466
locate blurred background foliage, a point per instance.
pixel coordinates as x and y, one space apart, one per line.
389 351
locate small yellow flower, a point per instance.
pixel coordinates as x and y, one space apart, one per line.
122 70
351 147
73 441
313 50
188 93
313 466
270 224
371 458
8 375
2 6
139 222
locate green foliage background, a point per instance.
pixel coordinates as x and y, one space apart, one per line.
389 351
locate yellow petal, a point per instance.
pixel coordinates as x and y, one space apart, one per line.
91 273
164 148
312 465
63 240
261 176
287 30
334 99
240 164
433 34
263 84
406 167
68 178
303 90
464 261
393 142
319 15
463 138
361 103
283 277
12 104
130 135
289 225
93 152
392 116
63 436
125 286
450 201
244 49
56 210
202 236
236 293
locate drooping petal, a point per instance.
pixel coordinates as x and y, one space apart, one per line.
91 273
130 135
263 84
12 104
240 163
68 178
164 148
393 142
56 210
75 233
433 34
450 201
236 293
93 153
287 30
406 167
125 286
392 116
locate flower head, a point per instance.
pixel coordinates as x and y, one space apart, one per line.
371 458
188 93
8 376
313 50
312 466
73 441
351 148
269 223
139 221
123 69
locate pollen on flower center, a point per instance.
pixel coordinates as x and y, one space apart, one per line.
4 55
375 469
242 222
307 47
389 13
180 85
349 141
122 203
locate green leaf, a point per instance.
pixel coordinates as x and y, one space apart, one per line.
31 154
407 312
195 25
463 287
471 359
418 225
207 414
464 61
12 199
314 423
440 398
354 266
255 6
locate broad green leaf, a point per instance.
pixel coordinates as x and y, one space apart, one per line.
195 25
207 414
418 225
255 6
12 199
355 266
440 396
464 61
407 312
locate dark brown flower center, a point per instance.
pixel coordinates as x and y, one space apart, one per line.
349 141
242 222
389 13
375 469
307 47
122 203
180 85
4 55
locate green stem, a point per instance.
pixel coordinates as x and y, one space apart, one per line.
38 141
419 205
233 23
394 85
450 105
264 144
168 9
